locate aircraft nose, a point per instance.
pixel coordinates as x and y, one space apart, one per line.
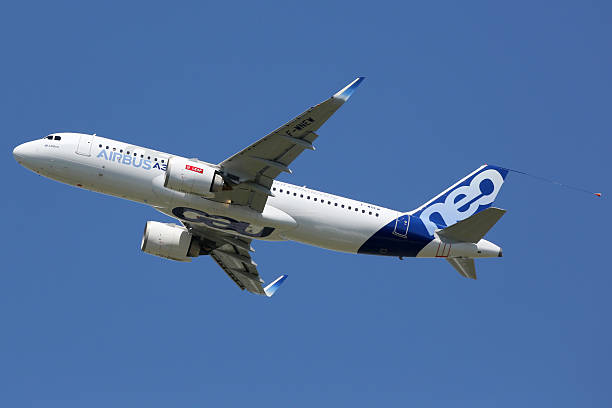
25 153
20 152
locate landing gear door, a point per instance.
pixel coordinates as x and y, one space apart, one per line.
84 146
401 226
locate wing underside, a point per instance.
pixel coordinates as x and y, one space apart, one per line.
233 254
255 167
239 266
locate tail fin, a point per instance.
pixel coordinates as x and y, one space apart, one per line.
468 196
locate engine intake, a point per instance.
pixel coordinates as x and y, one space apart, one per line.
190 176
169 241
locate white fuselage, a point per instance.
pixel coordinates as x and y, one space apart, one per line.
292 213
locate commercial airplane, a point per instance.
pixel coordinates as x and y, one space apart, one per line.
223 207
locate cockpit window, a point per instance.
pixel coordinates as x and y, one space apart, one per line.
58 138
49 137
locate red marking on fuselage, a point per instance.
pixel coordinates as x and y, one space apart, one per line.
445 248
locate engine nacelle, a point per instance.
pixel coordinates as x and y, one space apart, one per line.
190 176
169 241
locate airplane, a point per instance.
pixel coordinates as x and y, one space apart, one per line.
223 207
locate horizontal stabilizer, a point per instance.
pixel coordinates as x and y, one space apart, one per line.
473 228
465 266
273 287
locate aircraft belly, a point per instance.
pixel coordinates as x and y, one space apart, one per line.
271 224
340 231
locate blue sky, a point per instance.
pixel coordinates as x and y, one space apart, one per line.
89 320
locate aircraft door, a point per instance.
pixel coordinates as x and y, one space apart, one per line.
401 225
84 146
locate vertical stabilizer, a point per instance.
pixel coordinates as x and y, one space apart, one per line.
470 195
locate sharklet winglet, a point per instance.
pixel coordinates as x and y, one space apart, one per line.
345 93
273 287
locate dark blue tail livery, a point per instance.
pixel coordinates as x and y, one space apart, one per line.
470 195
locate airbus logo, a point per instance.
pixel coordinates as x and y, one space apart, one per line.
129 160
464 201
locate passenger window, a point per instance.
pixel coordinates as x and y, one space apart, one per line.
288 192
274 188
294 194
315 198
301 195
99 145
156 160
106 147
120 150
342 206
335 204
281 190
127 152
162 160
370 213
308 197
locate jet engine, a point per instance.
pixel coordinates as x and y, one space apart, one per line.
169 241
190 176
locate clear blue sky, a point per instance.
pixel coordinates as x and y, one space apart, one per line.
89 320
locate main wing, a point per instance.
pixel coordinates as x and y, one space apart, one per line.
232 253
252 170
